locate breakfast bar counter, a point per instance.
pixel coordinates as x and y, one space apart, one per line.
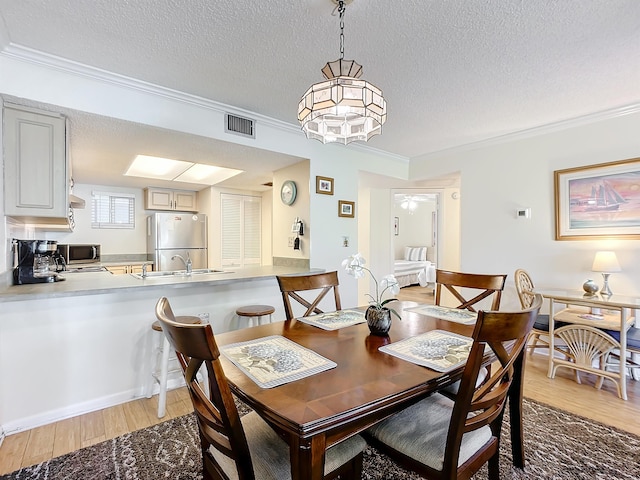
95 283
87 343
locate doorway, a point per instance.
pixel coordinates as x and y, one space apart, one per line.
416 217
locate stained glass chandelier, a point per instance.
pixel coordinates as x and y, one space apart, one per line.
343 108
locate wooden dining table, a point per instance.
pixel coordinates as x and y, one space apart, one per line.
366 386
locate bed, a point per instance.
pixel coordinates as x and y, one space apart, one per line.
414 268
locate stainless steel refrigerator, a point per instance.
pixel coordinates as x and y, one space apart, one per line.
170 234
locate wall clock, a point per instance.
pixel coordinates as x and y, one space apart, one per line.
288 192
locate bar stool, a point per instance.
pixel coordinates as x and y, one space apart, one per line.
161 371
255 311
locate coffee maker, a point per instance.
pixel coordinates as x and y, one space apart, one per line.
36 261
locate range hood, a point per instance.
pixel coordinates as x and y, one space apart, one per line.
46 224
76 202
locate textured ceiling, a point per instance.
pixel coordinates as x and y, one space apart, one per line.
453 72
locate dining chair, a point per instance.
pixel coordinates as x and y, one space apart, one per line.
316 286
587 346
244 448
441 438
526 294
457 283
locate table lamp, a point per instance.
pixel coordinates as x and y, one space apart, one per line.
605 263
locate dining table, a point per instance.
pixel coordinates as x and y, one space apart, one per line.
365 386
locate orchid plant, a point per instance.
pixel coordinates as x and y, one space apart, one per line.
354 265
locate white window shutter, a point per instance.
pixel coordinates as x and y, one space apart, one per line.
241 230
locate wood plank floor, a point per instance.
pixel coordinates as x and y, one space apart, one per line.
49 441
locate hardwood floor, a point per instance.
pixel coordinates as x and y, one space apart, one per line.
49 441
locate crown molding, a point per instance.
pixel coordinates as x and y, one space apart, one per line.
54 62
537 131
71 67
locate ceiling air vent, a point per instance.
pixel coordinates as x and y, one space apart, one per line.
239 125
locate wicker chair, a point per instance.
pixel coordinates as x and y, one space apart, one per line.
526 292
232 447
586 346
442 438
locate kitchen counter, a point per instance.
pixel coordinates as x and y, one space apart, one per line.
88 343
95 283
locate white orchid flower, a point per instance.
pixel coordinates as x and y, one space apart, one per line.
353 265
389 282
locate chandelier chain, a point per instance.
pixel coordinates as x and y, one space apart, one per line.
341 12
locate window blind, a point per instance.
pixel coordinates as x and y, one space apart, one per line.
112 210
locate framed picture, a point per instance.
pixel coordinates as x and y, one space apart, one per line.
346 209
598 201
396 225
324 185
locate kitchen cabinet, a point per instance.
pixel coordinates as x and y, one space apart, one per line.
124 269
36 177
167 199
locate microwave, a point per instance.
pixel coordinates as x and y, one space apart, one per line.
86 253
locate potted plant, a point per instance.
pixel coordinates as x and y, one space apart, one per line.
378 315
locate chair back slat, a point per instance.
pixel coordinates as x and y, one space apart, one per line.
457 284
316 285
524 287
218 419
504 336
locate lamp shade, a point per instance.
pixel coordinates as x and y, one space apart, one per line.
605 262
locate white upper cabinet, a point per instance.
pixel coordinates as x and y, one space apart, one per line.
36 175
167 199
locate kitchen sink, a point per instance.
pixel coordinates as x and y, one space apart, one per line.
177 273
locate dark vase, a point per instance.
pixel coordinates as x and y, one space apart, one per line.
378 320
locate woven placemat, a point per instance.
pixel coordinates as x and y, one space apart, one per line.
275 360
438 350
335 320
446 313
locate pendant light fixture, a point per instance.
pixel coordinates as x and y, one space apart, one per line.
343 108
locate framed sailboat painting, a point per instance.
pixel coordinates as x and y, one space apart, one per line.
598 201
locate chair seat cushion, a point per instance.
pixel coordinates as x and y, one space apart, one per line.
633 337
542 323
420 432
270 454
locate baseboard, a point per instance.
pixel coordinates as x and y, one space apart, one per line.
52 416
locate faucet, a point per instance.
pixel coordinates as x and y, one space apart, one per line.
144 269
187 263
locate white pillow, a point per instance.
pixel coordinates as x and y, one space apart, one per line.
415 254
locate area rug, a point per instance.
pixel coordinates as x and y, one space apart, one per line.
559 446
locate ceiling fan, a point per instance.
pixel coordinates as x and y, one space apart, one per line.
410 202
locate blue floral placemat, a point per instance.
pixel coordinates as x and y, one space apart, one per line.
335 320
446 313
275 360
438 350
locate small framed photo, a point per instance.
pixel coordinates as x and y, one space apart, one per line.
324 185
346 209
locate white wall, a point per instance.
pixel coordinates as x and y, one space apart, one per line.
284 215
498 179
